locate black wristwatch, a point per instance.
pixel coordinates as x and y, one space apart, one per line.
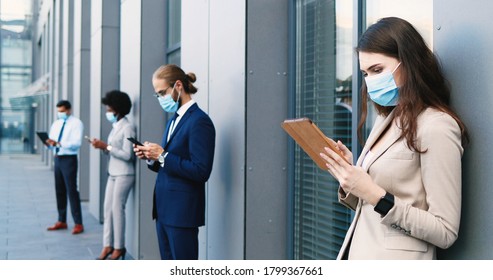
384 204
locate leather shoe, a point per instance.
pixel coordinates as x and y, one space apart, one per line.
118 253
78 228
58 225
107 251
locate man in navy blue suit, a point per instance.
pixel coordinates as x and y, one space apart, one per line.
183 162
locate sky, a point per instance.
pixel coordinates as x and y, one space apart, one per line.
14 9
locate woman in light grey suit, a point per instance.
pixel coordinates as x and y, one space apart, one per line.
405 188
121 170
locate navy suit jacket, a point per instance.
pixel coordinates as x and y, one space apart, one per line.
179 193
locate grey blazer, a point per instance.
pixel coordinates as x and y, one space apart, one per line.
426 186
122 158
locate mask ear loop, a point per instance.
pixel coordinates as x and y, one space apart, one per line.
396 67
179 94
178 99
172 91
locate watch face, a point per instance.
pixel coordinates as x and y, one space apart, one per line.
161 159
385 204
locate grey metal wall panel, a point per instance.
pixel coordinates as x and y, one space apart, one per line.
463 41
266 143
195 58
142 22
151 118
130 31
105 58
213 47
225 193
226 106
57 52
94 129
50 67
81 85
68 50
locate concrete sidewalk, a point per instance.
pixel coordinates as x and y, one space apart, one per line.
28 207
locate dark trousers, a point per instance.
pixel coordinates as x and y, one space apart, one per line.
66 184
177 243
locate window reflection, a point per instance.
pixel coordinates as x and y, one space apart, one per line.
173 45
323 93
16 114
174 23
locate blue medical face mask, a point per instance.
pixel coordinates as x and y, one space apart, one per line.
62 115
382 88
111 117
167 102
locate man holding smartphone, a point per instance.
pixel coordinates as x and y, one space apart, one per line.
183 162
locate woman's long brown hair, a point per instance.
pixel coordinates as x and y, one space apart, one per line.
424 85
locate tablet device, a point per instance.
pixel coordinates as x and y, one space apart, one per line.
43 136
133 140
310 138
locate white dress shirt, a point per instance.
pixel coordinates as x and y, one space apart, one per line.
181 111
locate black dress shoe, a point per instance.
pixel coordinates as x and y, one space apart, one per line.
118 253
103 255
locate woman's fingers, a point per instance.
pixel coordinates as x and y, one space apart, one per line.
332 166
342 147
336 163
336 157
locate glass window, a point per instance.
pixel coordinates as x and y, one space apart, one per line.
174 57
16 117
173 45
323 93
15 48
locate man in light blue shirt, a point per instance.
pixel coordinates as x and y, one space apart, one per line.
65 141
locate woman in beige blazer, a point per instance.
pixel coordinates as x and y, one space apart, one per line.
121 171
405 188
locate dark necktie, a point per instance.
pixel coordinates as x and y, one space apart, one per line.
172 125
60 137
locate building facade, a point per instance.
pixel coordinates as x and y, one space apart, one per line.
16 113
258 62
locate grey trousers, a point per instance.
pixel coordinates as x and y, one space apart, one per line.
116 194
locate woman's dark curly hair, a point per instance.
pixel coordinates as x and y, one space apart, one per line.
118 101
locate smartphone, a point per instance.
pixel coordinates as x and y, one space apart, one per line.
88 139
135 141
